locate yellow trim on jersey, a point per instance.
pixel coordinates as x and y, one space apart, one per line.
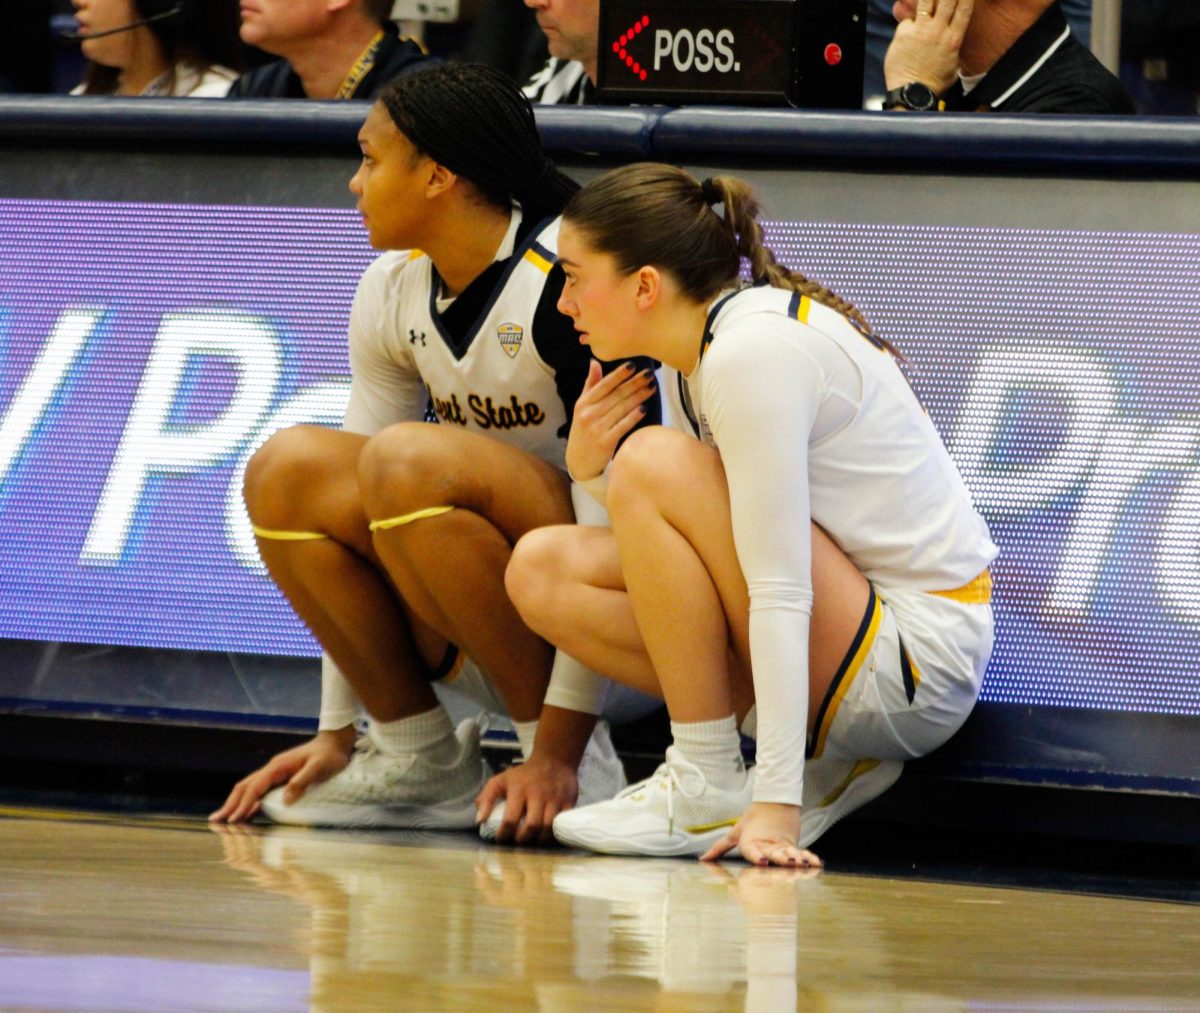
802 309
538 261
415 254
848 676
387 523
286 536
976 592
857 771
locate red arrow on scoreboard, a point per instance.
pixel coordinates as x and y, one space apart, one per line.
620 47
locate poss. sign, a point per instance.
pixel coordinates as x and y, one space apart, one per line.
748 52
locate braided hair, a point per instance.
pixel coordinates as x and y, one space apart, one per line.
477 123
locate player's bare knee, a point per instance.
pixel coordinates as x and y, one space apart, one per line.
642 465
276 473
530 577
398 468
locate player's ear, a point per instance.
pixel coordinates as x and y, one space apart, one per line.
439 179
649 286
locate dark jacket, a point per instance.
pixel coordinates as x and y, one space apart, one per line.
1070 80
396 56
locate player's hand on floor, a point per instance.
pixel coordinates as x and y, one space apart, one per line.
300 767
766 835
607 409
534 793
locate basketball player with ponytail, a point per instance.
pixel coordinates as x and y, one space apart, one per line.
804 561
391 536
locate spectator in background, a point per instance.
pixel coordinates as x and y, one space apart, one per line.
572 29
328 49
1012 56
504 35
881 26
158 47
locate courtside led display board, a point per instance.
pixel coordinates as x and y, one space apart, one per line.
147 349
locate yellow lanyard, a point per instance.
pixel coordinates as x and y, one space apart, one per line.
362 67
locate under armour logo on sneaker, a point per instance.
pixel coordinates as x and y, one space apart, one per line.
414 337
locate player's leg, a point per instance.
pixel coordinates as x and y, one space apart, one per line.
670 507
414 767
304 482
448 506
567 584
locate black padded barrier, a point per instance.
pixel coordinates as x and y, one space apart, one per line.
1121 145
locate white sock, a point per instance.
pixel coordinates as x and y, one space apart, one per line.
526 733
430 733
715 748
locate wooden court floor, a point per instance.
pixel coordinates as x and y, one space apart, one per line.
115 912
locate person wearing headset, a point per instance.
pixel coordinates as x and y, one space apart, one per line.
176 48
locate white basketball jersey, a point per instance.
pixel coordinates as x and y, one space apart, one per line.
880 480
496 382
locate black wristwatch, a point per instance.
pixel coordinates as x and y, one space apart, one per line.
915 96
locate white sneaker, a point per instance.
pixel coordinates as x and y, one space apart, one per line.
601 776
384 790
838 787
675 811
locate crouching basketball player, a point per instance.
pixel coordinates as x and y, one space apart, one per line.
391 537
807 549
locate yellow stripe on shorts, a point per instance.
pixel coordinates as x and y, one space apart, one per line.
286 536
977 592
417 515
849 670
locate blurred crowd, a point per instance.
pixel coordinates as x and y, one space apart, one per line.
979 59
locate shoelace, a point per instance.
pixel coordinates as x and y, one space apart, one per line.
667 777
364 751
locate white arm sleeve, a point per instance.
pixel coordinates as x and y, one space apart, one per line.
761 398
340 705
385 386
572 686
596 490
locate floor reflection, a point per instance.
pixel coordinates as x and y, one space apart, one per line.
557 931
122 913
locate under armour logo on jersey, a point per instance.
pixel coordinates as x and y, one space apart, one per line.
510 336
414 337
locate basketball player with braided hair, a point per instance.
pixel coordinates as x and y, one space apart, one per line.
391 537
805 558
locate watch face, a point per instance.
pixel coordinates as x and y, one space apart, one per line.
918 96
